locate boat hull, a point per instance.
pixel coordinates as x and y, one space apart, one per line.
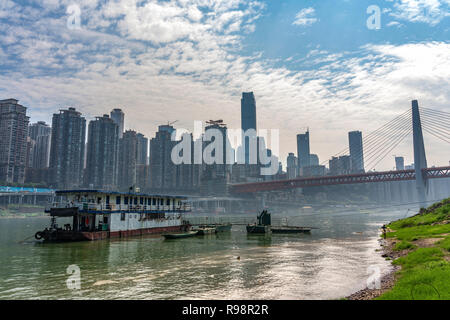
72 236
256 229
290 230
180 235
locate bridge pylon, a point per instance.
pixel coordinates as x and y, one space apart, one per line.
420 160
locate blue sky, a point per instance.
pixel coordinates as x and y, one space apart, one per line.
310 63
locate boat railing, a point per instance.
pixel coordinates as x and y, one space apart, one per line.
87 206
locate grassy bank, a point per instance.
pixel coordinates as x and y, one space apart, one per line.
420 245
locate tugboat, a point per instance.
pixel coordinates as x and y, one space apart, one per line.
97 215
263 224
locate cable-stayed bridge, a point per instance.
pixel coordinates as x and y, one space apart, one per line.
377 145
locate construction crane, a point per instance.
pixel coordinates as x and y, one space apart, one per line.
171 123
216 122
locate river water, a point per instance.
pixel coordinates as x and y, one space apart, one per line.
330 263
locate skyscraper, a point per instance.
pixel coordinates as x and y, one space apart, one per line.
67 149
127 160
142 149
292 166
399 163
248 121
356 151
118 117
313 159
40 132
303 152
102 154
163 171
13 141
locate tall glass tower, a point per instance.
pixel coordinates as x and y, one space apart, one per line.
303 151
248 120
356 151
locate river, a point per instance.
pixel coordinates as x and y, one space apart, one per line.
330 263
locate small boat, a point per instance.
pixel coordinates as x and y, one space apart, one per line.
205 231
258 229
223 227
263 224
290 229
180 235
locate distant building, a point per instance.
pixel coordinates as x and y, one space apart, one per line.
216 176
248 121
127 160
142 149
340 166
313 160
67 149
102 154
313 171
399 163
410 167
356 151
163 172
292 166
41 133
303 151
13 141
118 117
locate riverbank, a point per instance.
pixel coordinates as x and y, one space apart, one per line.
419 247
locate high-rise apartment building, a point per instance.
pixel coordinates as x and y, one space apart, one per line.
163 171
40 133
102 154
13 141
67 149
142 149
118 117
127 160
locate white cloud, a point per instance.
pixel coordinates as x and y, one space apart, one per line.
305 17
431 12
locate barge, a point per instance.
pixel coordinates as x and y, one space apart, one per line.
97 214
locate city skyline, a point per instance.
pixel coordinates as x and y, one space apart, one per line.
283 51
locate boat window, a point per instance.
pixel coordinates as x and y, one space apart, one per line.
125 199
135 201
118 200
154 201
168 202
105 219
142 200
122 216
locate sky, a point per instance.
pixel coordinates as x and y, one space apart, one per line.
332 66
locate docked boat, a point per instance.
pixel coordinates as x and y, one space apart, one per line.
224 227
181 235
205 231
263 224
290 229
97 214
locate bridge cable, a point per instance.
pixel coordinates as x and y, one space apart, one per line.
373 134
374 151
